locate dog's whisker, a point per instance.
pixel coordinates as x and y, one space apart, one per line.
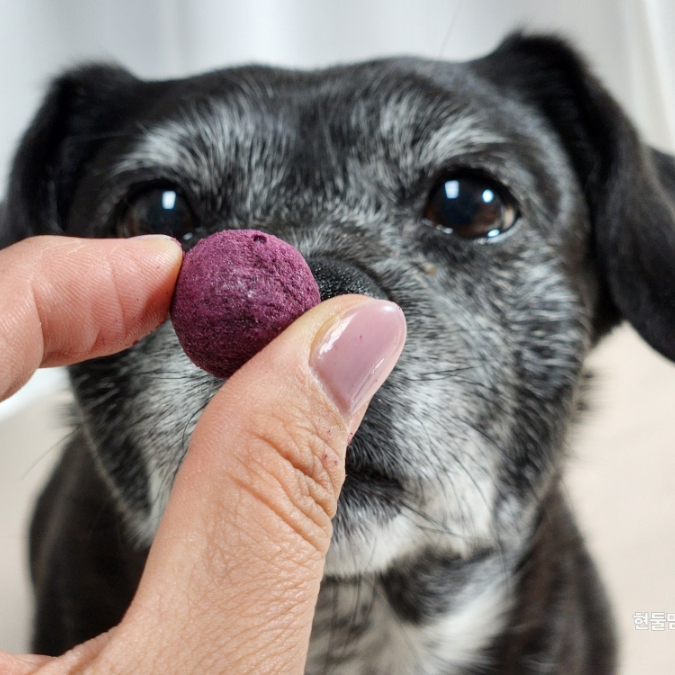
431 376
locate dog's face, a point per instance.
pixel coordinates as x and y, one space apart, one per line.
459 442
505 204
451 201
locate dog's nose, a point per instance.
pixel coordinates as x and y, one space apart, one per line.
335 277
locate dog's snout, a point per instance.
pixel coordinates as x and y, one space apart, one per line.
335 277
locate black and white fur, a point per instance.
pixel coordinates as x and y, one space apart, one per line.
453 548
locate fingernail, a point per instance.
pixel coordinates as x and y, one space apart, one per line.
159 237
358 351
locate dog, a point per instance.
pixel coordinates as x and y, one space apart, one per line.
506 204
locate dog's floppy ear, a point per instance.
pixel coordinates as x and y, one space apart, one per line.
80 108
630 188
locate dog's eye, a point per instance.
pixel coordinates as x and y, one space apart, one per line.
470 207
157 210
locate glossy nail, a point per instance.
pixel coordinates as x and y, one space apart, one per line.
356 353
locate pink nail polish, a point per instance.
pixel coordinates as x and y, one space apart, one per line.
357 353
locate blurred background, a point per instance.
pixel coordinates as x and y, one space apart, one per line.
621 475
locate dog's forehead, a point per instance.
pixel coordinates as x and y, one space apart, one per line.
393 120
343 105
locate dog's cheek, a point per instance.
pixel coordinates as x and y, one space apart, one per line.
138 410
553 337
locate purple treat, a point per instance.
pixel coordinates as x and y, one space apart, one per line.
237 290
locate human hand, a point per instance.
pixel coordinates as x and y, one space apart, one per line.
233 575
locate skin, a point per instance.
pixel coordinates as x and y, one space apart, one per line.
233 575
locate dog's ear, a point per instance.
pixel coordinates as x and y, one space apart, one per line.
80 110
630 188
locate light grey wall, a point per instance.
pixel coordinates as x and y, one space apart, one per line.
166 38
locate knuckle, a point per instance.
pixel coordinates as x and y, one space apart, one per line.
293 466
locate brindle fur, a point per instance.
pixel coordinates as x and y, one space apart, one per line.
453 548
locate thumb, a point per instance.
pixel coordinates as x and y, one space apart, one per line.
233 576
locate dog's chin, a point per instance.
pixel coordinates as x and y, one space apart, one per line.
370 529
363 545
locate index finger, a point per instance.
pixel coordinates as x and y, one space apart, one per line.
21 664
64 300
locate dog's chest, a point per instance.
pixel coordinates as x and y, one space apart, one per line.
360 629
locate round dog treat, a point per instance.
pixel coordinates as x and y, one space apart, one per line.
236 291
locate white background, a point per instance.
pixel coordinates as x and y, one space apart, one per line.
623 475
